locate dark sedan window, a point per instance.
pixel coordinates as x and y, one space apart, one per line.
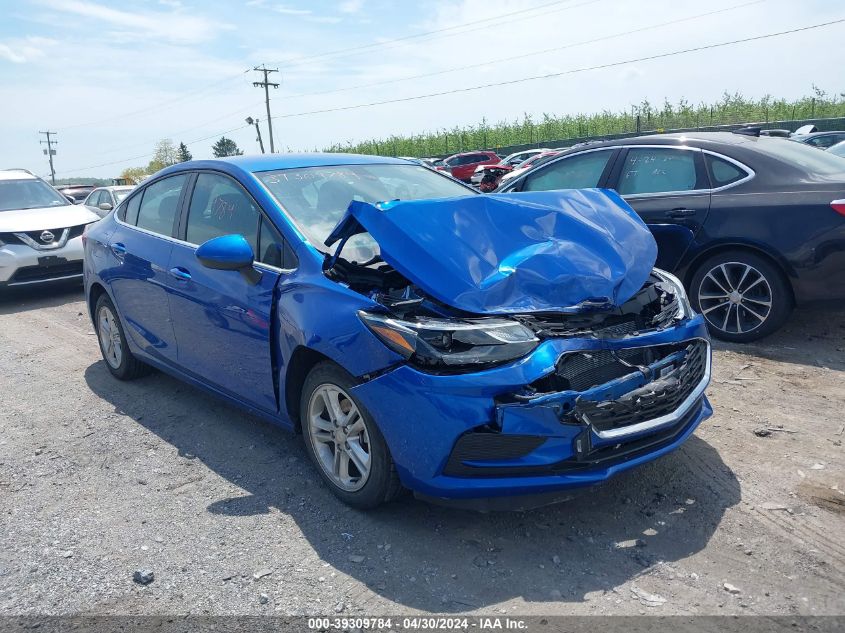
800 155
580 171
658 170
723 172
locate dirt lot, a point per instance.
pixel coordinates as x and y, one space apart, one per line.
100 478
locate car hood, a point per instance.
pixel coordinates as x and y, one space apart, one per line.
40 219
550 251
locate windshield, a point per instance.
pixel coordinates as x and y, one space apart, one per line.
317 197
812 159
29 194
120 194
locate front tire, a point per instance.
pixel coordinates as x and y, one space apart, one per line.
119 359
742 296
343 441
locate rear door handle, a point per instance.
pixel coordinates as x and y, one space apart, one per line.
680 213
118 249
180 273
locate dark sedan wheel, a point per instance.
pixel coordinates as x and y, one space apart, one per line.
119 358
742 296
344 442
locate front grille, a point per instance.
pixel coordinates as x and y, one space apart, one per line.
660 397
10 238
29 274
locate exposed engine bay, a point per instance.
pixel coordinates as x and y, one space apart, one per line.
656 306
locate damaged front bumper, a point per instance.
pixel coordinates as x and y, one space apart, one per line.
572 413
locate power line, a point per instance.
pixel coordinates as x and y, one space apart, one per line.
560 74
362 47
147 155
511 58
266 85
163 104
298 60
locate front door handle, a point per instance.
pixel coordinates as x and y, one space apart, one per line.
118 249
680 213
180 273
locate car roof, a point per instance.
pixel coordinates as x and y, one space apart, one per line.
271 162
17 174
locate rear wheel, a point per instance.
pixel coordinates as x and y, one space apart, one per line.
344 442
742 296
119 358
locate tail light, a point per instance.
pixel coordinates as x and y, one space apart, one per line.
838 206
85 234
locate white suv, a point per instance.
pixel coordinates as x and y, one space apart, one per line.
40 231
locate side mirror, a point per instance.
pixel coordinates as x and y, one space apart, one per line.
71 199
229 252
105 206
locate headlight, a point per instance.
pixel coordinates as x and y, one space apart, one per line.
685 311
442 344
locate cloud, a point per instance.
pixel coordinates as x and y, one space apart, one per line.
351 6
171 26
286 10
20 51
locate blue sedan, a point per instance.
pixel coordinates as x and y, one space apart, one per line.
473 349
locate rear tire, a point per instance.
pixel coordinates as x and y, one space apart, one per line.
743 296
344 442
119 359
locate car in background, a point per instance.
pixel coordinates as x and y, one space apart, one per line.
533 161
77 192
822 140
838 149
462 166
490 174
285 284
752 225
40 232
780 133
104 199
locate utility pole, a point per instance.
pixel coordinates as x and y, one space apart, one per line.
50 153
266 85
251 121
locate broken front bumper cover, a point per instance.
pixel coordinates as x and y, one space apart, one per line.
491 433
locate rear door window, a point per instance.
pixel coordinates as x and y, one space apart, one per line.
160 205
579 171
659 170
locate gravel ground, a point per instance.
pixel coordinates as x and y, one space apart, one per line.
100 479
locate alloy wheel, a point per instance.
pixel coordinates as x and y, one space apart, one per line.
735 297
339 437
109 337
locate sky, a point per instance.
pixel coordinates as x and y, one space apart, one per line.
113 78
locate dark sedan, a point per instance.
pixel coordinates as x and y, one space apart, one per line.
752 225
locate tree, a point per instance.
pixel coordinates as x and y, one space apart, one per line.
182 154
225 147
134 174
164 156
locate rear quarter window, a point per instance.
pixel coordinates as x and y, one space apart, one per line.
723 172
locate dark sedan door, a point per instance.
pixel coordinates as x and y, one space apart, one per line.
669 189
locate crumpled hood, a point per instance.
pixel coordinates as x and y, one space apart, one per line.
550 251
45 218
